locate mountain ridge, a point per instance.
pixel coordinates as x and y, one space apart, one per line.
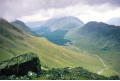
51 55
55 29
98 38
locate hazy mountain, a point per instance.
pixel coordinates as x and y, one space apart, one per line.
24 27
55 29
22 24
63 23
35 24
114 21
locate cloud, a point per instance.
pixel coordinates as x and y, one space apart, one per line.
85 13
12 9
114 3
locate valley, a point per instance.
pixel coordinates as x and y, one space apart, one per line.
99 39
20 40
94 38
15 43
59 40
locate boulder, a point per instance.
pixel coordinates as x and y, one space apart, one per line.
20 65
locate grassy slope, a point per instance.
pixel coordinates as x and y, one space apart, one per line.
56 56
111 61
110 57
50 54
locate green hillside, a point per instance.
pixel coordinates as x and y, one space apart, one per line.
15 41
98 39
15 69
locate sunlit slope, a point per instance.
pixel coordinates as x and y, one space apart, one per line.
9 40
14 41
56 56
50 54
100 39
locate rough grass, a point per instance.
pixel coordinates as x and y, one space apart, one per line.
111 58
103 42
57 56
50 54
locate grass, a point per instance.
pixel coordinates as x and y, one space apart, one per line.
50 54
77 73
85 44
111 58
57 56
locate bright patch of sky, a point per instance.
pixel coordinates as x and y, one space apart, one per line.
40 10
85 13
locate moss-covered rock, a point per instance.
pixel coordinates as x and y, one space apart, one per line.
20 65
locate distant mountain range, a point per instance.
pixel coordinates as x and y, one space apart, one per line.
96 38
55 29
54 23
63 23
16 39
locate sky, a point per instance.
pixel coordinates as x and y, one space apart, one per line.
40 10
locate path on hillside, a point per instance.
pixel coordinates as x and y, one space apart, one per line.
100 59
103 63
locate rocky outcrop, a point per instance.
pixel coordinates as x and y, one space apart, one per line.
20 65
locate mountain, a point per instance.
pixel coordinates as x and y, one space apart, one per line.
35 24
63 23
23 26
114 21
55 29
100 39
107 36
15 41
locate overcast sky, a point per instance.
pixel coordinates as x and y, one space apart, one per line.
38 10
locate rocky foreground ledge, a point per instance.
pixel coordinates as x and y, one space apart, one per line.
20 65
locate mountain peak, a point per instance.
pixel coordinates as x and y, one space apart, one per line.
100 24
19 22
70 18
95 23
3 20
